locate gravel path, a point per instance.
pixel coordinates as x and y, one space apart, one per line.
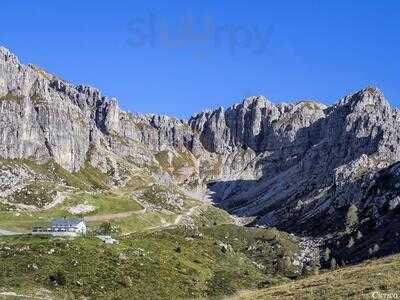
6 232
116 216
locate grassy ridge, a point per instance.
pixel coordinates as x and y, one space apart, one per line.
375 279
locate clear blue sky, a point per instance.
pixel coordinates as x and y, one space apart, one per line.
180 57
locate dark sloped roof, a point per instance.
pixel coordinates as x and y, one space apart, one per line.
65 222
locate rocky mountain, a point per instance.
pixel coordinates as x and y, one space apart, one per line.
326 172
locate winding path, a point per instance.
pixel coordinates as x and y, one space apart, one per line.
178 219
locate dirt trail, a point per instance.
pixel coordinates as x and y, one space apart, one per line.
109 217
178 219
6 232
189 213
201 196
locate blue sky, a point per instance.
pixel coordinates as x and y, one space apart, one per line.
180 57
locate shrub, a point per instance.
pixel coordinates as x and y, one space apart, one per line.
351 218
58 278
327 254
105 228
333 264
374 249
350 243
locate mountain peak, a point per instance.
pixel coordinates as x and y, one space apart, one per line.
254 100
370 96
371 91
6 54
5 51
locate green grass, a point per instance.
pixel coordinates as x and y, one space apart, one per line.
138 181
266 245
5 207
88 187
210 216
105 203
168 264
158 195
87 178
141 223
178 263
38 193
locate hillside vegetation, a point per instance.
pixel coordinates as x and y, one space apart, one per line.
374 279
32 194
169 264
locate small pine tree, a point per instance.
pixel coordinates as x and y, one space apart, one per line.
333 264
374 249
327 254
351 218
105 228
350 243
58 278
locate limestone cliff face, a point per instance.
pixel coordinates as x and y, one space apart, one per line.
45 118
36 120
297 166
256 123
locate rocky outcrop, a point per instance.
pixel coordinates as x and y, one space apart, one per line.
357 135
36 120
256 123
371 227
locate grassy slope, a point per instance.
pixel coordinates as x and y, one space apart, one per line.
352 282
105 203
88 186
167 264
86 179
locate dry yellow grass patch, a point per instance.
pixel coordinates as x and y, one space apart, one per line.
375 279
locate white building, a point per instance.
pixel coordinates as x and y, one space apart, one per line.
107 239
63 227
